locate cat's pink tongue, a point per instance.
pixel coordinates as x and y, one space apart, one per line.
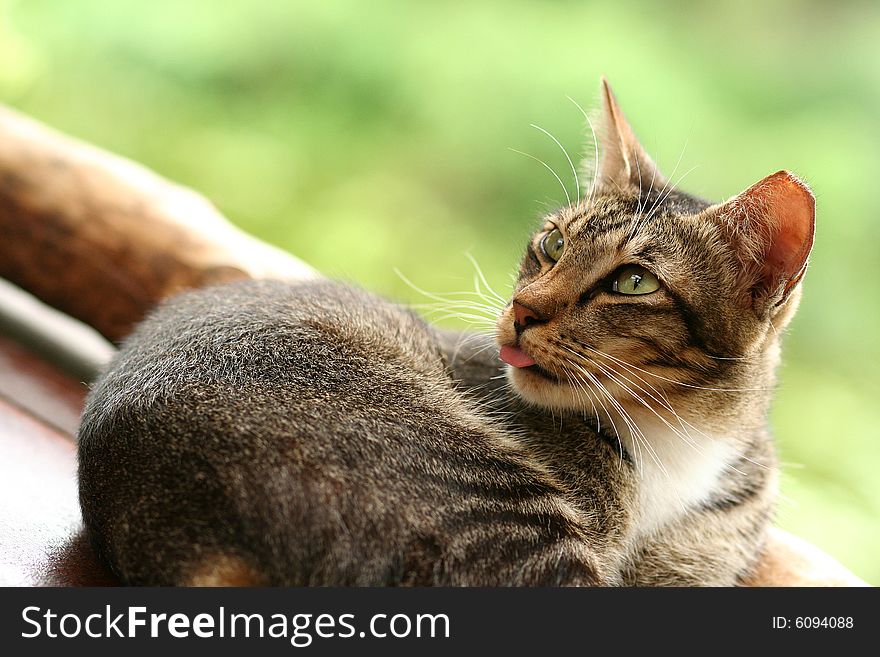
516 357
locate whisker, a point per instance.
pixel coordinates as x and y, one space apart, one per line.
683 434
550 169
564 152
449 299
671 188
666 404
485 311
479 352
669 180
635 432
492 292
571 376
462 341
678 383
641 206
595 148
616 376
475 320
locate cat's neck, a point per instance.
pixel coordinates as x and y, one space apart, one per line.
689 444
678 464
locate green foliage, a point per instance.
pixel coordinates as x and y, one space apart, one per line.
364 136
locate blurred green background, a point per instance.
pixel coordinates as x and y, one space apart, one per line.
364 136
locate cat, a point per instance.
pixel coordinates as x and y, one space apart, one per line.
612 432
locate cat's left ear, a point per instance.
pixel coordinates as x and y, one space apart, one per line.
771 226
624 165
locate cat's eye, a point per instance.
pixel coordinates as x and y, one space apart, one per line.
553 244
633 279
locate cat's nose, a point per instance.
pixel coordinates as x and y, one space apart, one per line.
524 316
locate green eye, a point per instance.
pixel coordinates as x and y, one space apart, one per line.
633 279
553 244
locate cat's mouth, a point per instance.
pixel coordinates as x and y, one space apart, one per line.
519 359
516 357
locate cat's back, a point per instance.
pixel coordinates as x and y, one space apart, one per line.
267 331
299 434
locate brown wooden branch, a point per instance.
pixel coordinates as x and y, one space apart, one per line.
103 239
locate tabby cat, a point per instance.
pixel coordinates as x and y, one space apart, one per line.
314 434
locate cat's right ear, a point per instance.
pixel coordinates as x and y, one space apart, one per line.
771 226
624 165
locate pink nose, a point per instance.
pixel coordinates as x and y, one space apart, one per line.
523 315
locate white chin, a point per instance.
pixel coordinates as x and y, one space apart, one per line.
541 391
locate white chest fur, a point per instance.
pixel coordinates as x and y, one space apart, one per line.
678 468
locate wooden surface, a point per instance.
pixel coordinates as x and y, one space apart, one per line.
103 239
40 523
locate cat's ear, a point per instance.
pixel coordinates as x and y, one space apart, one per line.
624 165
771 226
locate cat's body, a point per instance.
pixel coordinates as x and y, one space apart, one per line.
314 434
324 443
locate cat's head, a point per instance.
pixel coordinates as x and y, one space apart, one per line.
641 282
